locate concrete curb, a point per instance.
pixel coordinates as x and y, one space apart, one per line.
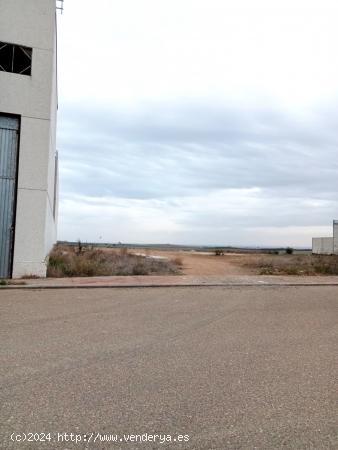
134 286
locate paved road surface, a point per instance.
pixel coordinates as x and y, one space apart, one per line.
232 368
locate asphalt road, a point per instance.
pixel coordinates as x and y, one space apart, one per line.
226 368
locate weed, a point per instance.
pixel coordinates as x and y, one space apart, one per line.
30 277
268 270
67 261
295 264
79 247
178 261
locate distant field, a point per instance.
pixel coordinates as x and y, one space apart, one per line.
196 248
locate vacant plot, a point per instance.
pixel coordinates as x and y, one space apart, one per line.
201 263
67 261
70 261
293 264
207 263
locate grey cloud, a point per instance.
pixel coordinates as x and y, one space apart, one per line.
184 122
168 150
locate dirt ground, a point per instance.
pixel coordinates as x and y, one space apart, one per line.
204 263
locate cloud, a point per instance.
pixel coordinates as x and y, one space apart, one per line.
198 121
177 150
200 167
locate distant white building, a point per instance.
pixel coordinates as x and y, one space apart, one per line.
326 245
28 158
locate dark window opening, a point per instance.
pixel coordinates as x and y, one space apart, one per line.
15 59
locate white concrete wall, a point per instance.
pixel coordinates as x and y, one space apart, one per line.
322 246
51 219
34 99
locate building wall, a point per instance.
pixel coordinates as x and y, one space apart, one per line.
32 23
322 246
335 237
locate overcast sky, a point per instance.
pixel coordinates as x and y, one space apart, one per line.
198 121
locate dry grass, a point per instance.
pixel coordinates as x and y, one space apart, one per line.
30 277
178 261
70 261
11 283
294 265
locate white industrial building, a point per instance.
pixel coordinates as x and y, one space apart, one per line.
28 158
326 245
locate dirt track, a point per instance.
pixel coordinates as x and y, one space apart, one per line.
198 263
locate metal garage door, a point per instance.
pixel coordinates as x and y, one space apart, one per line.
9 133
